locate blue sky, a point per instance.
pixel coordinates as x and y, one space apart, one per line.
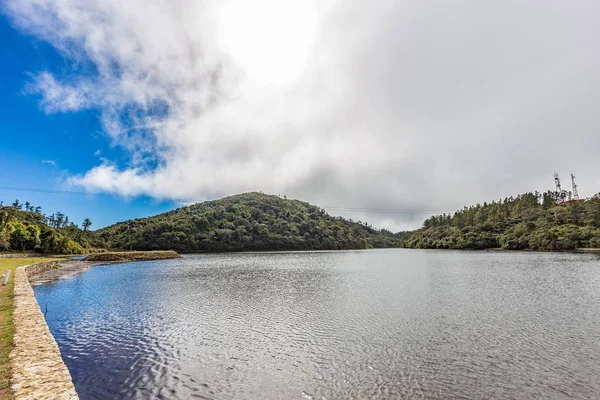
39 150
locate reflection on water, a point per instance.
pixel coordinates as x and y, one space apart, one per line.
333 325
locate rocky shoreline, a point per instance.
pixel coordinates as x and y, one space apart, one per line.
67 268
64 269
126 256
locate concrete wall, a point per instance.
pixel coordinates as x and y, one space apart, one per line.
38 370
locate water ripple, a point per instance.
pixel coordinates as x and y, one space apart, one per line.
333 325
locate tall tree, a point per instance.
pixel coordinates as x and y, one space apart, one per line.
17 205
86 225
60 218
51 220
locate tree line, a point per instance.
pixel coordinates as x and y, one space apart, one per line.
23 227
535 221
250 221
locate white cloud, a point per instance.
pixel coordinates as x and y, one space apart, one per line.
51 162
57 97
394 104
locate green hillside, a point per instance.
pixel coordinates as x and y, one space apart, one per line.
25 228
530 221
250 221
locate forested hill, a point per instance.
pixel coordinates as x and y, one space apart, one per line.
250 221
530 221
23 228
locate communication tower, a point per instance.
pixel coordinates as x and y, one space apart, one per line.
575 194
557 182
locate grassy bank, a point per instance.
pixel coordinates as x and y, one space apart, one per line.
125 256
6 320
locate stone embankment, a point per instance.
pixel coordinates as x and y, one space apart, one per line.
38 370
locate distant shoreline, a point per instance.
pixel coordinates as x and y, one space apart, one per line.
579 250
126 256
583 250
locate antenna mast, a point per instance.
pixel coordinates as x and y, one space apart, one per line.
575 194
557 182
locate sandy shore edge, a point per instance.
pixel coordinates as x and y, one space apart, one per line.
65 270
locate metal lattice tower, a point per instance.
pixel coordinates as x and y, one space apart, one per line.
575 194
557 182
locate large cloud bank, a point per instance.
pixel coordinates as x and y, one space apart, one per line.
373 105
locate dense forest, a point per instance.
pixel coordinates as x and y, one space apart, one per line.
531 221
23 227
256 221
250 221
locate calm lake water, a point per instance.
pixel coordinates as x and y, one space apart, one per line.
380 324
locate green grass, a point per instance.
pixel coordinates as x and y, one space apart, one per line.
7 329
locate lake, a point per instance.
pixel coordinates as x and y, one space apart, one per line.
380 324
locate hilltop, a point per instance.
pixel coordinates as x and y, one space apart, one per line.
244 222
531 221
